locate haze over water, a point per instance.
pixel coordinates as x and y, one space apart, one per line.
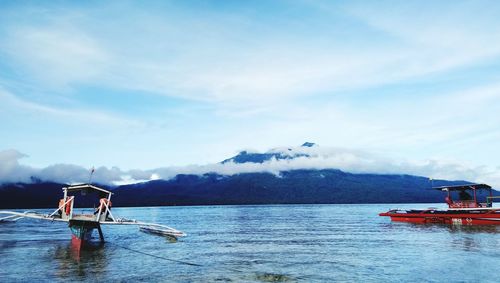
304 243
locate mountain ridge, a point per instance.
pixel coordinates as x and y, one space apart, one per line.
292 187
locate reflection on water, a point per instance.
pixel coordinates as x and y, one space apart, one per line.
467 244
466 239
473 229
281 243
81 262
451 228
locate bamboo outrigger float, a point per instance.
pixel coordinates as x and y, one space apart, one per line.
82 225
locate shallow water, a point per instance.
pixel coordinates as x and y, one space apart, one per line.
271 243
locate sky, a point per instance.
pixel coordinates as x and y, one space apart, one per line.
137 88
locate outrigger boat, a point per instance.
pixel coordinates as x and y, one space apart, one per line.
465 211
82 225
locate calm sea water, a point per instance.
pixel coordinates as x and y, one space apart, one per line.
290 243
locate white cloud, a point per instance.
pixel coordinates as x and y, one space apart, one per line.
58 56
11 170
318 158
439 37
220 58
348 160
280 79
14 104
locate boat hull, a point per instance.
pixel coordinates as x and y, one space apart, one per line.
81 233
479 217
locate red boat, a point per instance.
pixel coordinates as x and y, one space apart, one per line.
467 210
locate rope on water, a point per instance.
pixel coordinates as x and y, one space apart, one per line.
155 256
199 265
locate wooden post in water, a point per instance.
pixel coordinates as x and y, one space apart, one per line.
101 235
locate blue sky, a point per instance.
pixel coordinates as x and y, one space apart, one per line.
150 84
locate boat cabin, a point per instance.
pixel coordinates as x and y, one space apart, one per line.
102 211
467 196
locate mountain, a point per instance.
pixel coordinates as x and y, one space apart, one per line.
293 187
297 186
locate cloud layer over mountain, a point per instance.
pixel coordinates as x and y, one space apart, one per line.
314 158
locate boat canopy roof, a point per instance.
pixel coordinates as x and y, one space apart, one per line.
463 187
86 187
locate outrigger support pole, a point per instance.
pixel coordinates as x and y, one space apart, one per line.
101 235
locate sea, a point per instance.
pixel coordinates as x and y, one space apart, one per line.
261 243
